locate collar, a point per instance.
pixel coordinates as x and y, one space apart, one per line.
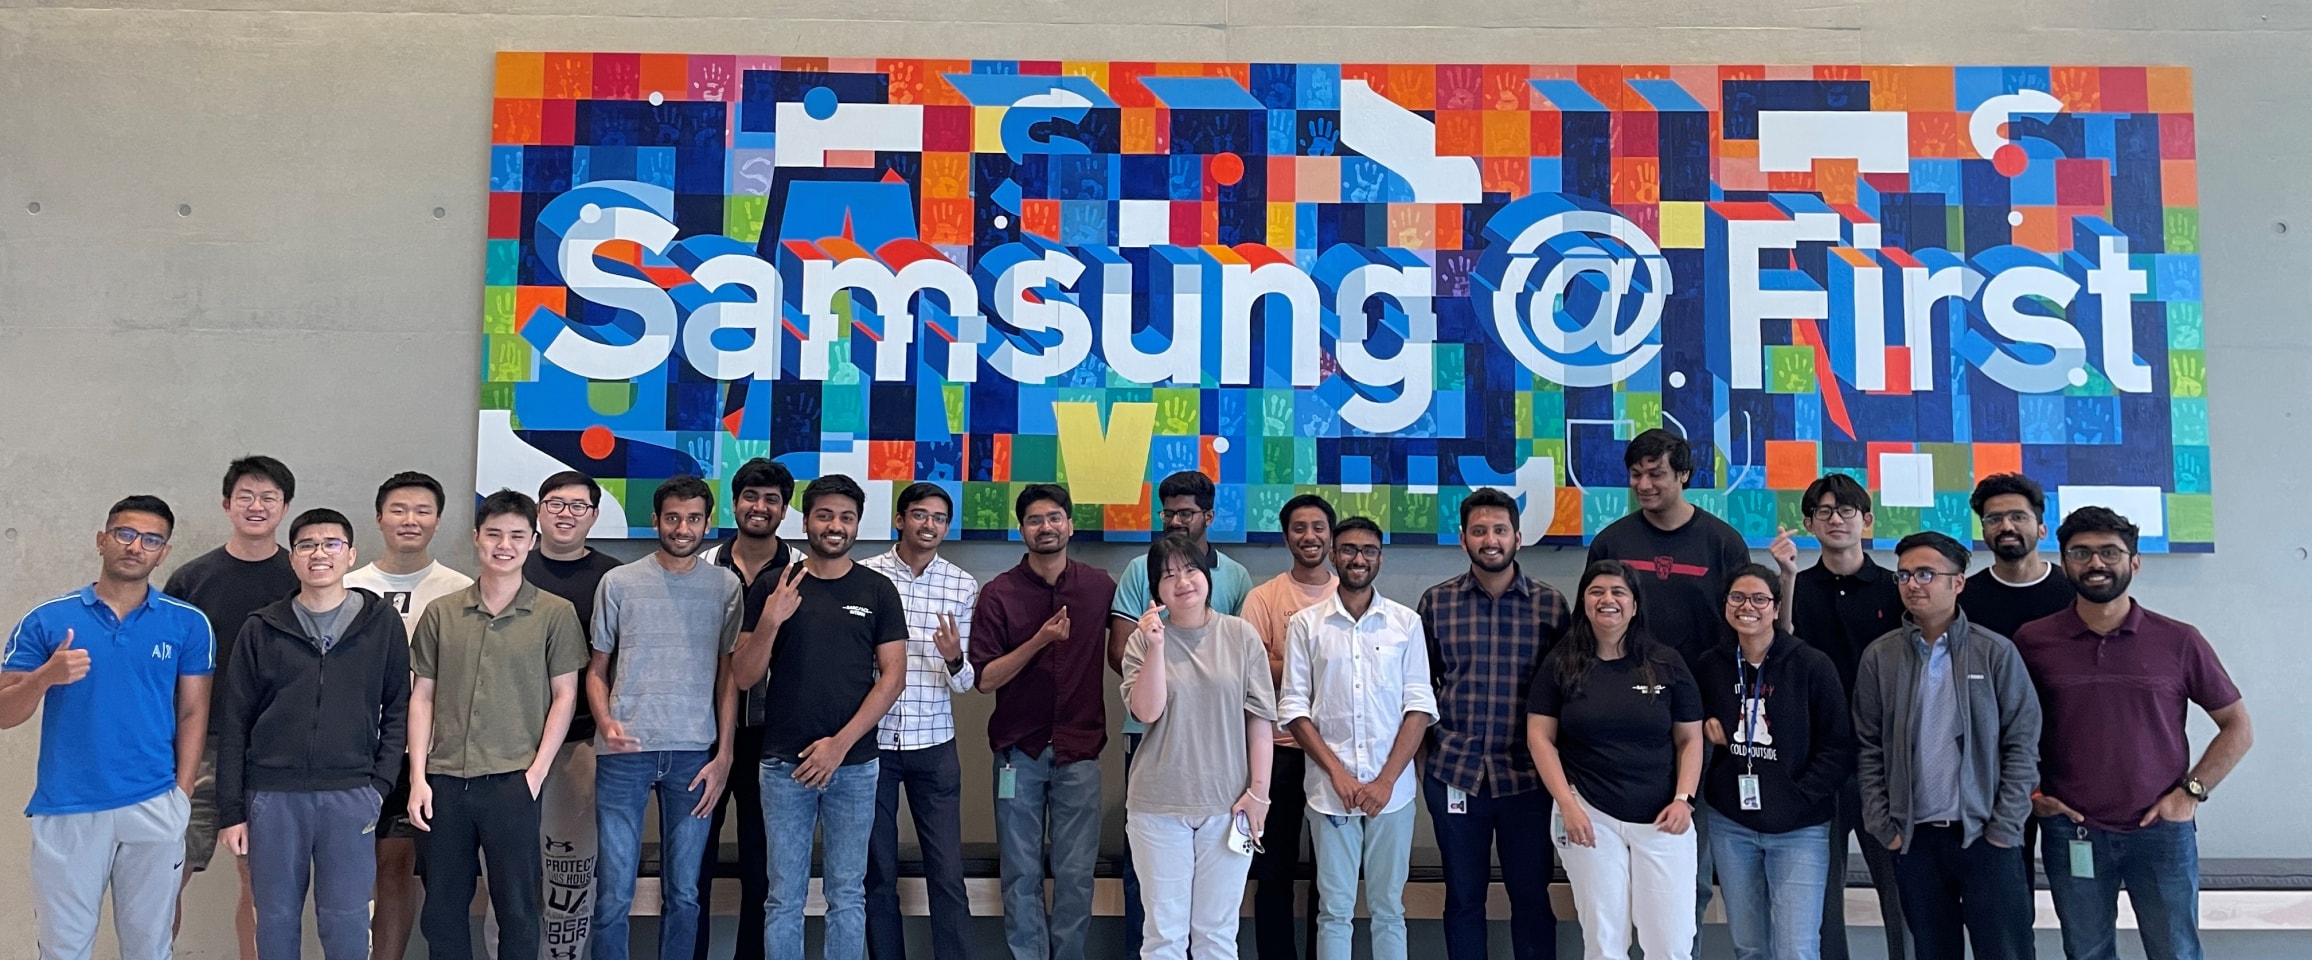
726 558
2075 627
898 565
89 598
1335 608
1519 583
1869 572
525 598
1952 635
2044 572
1066 577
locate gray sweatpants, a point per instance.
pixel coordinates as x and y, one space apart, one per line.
137 851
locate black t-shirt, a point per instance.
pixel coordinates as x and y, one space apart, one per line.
751 700
1841 615
1613 738
575 581
1994 605
227 589
823 665
1682 576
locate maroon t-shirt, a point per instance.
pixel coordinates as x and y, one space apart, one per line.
2114 705
1060 699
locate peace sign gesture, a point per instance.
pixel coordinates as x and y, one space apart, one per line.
948 638
786 597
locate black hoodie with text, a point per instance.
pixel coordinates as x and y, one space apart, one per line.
295 719
1803 748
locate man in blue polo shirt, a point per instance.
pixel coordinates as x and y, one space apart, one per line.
124 673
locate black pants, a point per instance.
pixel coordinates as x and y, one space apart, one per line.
933 780
754 867
1882 876
1277 867
1954 895
493 818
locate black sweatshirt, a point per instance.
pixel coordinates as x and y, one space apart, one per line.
296 720
1806 750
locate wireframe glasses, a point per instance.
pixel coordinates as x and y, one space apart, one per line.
129 535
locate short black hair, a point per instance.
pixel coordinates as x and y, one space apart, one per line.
834 485
1761 571
764 472
262 468
1186 483
506 503
2095 519
1939 542
1354 524
572 478
1303 502
320 517
143 503
405 480
1170 547
2002 484
1484 497
919 491
1840 488
1660 444
681 488
1041 491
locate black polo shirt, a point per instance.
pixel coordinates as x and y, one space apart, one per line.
1840 615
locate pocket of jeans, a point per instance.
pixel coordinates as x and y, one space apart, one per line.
258 801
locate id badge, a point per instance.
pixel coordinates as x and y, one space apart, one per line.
1006 783
1747 785
2083 859
1456 801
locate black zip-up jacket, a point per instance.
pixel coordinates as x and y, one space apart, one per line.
297 720
1807 748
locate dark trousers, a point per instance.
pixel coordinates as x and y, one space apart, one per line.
754 866
326 840
1881 862
1277 868
1517 828
934 782
1134 916
491 818
1955 894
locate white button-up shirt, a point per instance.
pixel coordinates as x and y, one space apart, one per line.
1356 678
923 717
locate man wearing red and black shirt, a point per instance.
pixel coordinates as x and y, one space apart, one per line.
1038 642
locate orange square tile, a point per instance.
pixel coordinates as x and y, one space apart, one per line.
1931 88
1505 87
1992 459
1413 85
1508 133
891 460
1736 148
1183 68
1898 371
2179 183
936 90
1139 129
1128 516
517 121
1239 72
946 175
1448 226
2080 88
1207 222
569 76
1041 217
1936 134
1281 179
1837 72
1002 458
1836 178
1511 175
2040 230
1605 83
1460 133
947 220
2171 89
667 74
1790 181
1636 180
1566 521
1791 464
1375 75
521 75
1889 87
1413 226
1548 128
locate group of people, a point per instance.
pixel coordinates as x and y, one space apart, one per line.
1690 721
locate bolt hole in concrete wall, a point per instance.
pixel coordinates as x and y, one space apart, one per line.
313 131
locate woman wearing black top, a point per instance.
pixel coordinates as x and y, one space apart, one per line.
1773 786
1616 731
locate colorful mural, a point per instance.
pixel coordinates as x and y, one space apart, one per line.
1390 283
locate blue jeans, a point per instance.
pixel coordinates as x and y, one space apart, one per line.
623 784
2159 866
1381 847
1060 801
1773 884
1517 826
844 811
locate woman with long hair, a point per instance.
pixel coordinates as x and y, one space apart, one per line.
1615 726
1198 796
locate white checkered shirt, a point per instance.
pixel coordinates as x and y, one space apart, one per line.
922 717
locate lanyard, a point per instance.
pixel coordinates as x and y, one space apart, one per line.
1753 694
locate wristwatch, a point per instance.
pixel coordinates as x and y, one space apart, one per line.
2194 790
1685 798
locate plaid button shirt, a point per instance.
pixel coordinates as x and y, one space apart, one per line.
923 717
1482 654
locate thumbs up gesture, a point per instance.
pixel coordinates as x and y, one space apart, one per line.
66 665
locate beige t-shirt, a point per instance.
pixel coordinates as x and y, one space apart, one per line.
1269 608
1192 762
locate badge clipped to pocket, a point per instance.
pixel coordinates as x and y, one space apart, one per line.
1747 785
1007 783
1456 801
2082 856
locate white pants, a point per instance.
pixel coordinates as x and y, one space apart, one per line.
1191 885
569 845
1634 875
137 851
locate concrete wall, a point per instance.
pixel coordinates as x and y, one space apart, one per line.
236 249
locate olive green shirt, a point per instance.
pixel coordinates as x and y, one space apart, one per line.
493 676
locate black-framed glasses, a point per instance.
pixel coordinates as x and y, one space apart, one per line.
328 545
2110 554
1183 515
1842 511
2012 518
572 508
131 535
1370 551
1924 576
1739 600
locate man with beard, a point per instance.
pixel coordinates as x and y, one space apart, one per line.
228 584
1486 632
126 712
761 489
832 636
663 717
1307 523
1049 725
2117 789
2018 587
1184 503
1356 693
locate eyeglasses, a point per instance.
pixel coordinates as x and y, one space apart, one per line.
926 516
2012 518
1841 511
1183 515
1925 577
129 535
2111 555
329 545
1739 600
574 508
253 499
1370 551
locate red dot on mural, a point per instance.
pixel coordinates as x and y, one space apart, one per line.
1227 169
597 441
2010 160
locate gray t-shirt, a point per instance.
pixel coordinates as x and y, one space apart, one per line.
668 632
326 627
1192 761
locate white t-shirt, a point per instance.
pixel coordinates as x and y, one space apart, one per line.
408 593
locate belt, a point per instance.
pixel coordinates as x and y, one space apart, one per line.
1937 825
